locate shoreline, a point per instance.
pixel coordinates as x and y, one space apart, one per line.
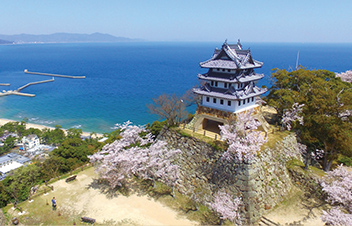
3 121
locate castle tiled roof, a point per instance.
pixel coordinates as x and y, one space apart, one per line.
231 57
231 94
223 77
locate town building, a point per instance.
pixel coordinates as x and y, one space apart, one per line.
228 87
10 162
30 141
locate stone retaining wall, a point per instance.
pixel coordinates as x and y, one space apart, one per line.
261 183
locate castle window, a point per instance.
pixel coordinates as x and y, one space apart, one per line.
244 101
239 103
229 103
225 84
252 98
223 69
212 83
248 100
214 100
221 101
228 70
216 84
207 99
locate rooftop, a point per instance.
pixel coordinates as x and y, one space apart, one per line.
223 77
231 94
231 57
13 161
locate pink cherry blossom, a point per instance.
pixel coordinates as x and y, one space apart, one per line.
227 206
243 138
338 186
292 115
136 155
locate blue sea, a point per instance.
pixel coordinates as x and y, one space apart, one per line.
121 78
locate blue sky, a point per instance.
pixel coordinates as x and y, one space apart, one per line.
184 20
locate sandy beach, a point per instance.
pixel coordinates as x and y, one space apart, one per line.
41 127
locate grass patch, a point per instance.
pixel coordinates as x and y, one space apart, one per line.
275 136
192 210
217 144
40 213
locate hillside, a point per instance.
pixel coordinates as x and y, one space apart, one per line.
64 38
5 42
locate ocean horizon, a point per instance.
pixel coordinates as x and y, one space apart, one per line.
121 78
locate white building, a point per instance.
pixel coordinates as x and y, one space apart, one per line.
228 87
30 141
10 162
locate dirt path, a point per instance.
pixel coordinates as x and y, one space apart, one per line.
84 198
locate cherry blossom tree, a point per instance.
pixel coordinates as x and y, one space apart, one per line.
345 76
338 186
308 155
243 138
292 115
157 164
136 155
227 206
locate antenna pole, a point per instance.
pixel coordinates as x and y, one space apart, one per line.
297 60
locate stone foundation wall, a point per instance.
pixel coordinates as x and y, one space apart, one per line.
261 183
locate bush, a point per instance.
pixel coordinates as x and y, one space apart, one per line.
156 127
347 161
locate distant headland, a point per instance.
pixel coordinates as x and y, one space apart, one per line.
62 38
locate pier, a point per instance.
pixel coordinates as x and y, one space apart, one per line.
53 75
4 84
17 91
34 83
11 92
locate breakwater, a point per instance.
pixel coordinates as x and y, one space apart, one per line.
34 83
12 92
17 91
53 75
4 84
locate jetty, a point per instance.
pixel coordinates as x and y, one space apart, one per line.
53 75
17 91
34 83
14 92
4 84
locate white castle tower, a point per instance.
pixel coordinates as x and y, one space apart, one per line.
228 87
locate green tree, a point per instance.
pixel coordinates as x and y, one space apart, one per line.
155 127
326 112
4 196
9 143
72 153
31 130
50 167
73 132
18 184
55 136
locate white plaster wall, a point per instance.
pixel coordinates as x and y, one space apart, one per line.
224 107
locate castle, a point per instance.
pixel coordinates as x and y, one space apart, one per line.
229 86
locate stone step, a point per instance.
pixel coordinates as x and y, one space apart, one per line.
266 221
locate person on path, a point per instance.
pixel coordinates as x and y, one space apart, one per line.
53 201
